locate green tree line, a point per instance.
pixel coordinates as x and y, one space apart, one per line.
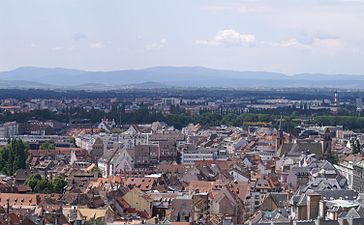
179 118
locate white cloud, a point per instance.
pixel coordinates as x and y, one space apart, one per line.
229 37
62 48
57 48
97 45
156 46
34 45
330 45
289 43
232 38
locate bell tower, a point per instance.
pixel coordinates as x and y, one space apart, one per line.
326 144
279 141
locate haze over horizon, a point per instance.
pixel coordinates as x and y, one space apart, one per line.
285 36
173 67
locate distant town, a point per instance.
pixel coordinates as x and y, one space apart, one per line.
182 157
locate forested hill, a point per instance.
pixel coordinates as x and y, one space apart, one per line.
160 77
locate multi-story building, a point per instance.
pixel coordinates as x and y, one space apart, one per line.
97 150
358 177
9 130
171 101
35 141
85 142
191 154
133 136
146 155
168 150
168 143
104 163
346 168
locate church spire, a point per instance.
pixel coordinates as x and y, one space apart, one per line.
280 137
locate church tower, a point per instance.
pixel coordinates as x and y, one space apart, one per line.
326 144
280 137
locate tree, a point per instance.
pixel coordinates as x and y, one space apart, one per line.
41 184
33 180
116 131
355 146
13 157
58 184
94 222
47 145
358 146
334 159
73 140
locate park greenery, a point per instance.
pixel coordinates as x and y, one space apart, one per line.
41 184
13 157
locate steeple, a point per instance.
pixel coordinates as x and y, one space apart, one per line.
326 144
336 102
279 141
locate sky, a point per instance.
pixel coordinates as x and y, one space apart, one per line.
288 36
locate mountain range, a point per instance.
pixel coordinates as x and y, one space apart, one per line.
165 77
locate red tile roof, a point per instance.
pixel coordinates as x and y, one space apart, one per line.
143 183
18 200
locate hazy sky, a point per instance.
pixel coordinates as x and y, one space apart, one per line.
290 36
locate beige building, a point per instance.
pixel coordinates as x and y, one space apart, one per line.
139 200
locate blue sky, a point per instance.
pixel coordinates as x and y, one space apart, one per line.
289 36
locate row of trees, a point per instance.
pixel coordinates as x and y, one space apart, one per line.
13 157
41 115
41 184
180 117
